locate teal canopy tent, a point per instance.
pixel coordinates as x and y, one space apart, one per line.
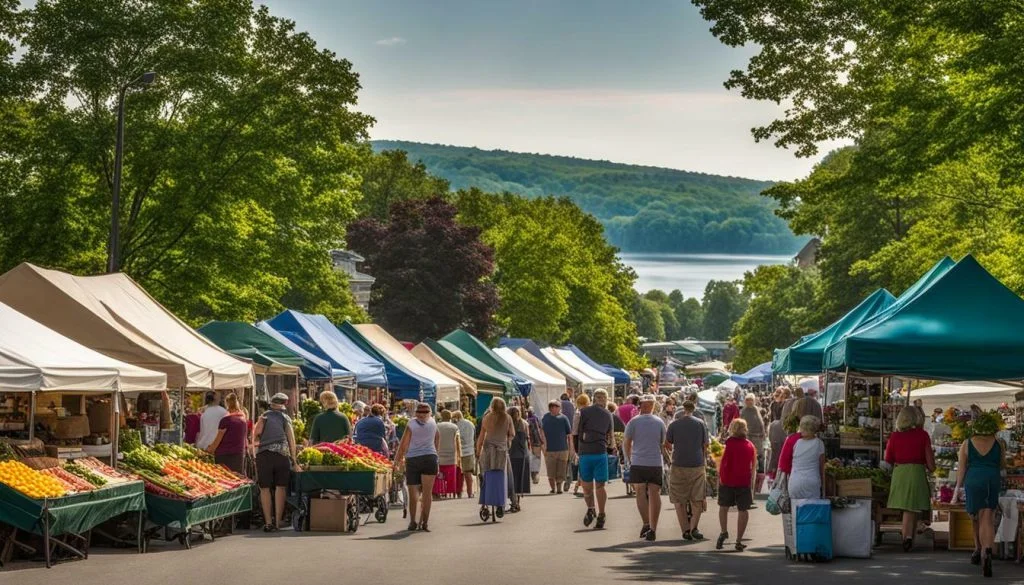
805 356
962 325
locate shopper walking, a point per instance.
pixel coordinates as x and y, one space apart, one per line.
449 456
629 408
643 445
738 464
582 401
492 449
330 426
807 469
596 438
687 436
909 451
417 454
557 446
755 433
536 445
519 458
275 458
982 459
467 438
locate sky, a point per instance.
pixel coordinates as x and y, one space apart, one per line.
634 82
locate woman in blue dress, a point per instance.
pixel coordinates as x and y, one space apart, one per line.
981 461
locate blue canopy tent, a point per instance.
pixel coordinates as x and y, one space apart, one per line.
402 383
315 368
621 377
760 374
317 335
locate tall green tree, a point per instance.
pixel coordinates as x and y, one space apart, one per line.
724 303
781 310
559 279
649 321
690 317
241 165
389 177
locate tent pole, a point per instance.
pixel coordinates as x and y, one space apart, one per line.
846 394
181 417
115 426
32 416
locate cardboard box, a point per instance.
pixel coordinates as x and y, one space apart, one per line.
328 515
853 488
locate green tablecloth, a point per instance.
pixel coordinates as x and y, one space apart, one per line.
74 514
184 514
350 482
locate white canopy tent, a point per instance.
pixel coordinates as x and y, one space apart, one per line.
580 380
567 356
987 395
546 387
36 358
447 389
707 367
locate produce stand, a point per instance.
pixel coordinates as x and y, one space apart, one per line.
65 522
318 480
182 515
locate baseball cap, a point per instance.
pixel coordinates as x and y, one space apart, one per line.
279 398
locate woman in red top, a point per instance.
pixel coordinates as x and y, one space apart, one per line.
792 426
229 446
730 412
735 478
909 451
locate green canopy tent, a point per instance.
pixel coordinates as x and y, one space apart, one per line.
246 341
475 369
805 356
483 354
962 325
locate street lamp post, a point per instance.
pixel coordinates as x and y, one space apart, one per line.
113 250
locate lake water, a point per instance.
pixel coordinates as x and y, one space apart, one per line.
690 273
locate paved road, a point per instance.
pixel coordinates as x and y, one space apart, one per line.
546 543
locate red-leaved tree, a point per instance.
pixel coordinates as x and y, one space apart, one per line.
433 274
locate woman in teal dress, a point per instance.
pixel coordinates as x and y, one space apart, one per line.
981 461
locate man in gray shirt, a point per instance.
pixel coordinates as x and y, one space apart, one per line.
687 486
643 444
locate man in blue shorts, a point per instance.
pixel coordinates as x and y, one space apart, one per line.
597 438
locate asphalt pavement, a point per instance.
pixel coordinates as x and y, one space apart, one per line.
545 543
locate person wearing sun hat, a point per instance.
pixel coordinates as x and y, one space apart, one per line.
275 458
417 454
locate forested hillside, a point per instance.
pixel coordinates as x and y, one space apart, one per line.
644 209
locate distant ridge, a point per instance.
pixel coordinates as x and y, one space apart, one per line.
643 208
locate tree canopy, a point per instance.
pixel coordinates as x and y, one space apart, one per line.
241 162
559 280
433 275
643 209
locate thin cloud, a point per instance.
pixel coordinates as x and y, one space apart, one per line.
390 42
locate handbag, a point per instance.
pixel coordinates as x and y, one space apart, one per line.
778 497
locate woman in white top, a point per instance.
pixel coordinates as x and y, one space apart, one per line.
808 474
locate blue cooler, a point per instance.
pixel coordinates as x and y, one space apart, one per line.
614 472
812 521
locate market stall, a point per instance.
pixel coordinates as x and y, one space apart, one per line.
185 492
572 360
956 323
470 386
620 377
42 491
113 315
